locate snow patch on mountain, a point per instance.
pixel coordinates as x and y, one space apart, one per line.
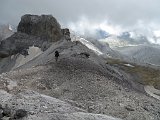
99 47
33 52
90 46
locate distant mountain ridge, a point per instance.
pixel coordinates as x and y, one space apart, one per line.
149 54
5 31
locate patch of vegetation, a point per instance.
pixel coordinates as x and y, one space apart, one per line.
143 75
148 76
115 61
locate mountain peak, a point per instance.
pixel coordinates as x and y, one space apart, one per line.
43 26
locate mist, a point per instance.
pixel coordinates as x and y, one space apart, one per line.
113 16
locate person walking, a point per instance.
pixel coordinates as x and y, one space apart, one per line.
56 55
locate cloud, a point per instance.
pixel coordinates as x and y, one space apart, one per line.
85 26
87 15
122 12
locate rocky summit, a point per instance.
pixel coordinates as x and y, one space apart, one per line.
45 26
33 30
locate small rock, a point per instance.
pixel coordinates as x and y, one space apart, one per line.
85 54
1 114
1 106
152 105
20 113
6 118
6 112
32 112
90 109
129 108
145 108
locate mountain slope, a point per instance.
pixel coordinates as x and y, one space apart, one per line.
143 54
98 47
5 31
87 83
81 85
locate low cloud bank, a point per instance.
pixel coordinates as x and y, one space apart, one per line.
141 30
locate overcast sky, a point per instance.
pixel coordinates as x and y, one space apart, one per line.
114 15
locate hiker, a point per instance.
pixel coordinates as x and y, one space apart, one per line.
56 55
76 42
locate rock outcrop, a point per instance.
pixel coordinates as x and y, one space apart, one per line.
33 30
19 43
45 26
66 34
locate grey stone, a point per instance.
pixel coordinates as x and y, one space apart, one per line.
45 26
129 108
1 113
6 112
19 43
1 106
20 113
39 31
66 34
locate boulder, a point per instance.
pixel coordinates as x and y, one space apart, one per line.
45 26
20 113
6 112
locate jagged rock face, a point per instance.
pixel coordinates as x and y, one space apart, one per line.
20 42
66 34
33 30
45 26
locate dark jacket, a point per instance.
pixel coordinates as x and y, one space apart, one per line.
56 53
